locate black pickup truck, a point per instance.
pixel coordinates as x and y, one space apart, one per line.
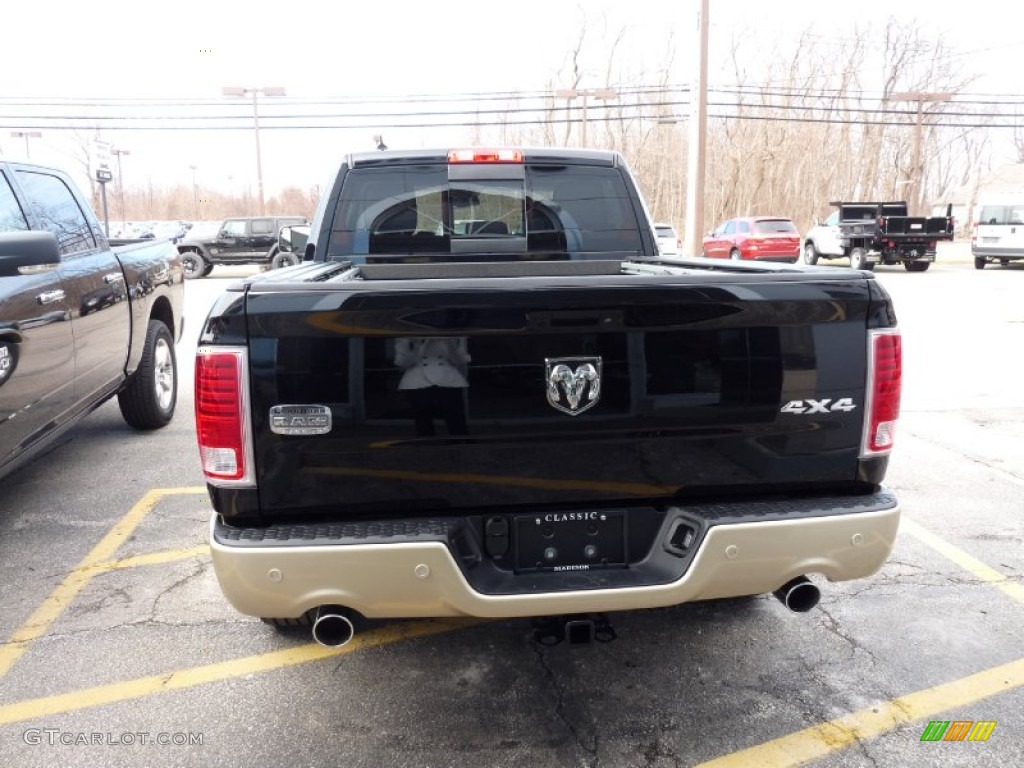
482 394
878 233
80 320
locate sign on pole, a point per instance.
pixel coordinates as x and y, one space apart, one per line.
101 161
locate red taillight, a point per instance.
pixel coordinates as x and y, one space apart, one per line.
485 156
220 398
884 383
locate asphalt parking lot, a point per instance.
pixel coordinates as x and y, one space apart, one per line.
120 650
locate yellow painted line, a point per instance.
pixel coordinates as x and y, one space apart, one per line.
152 558
53 606
182 490
180 679
969 563
637 489
822 740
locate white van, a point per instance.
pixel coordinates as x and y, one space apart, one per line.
998 233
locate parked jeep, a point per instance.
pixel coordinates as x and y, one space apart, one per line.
251 240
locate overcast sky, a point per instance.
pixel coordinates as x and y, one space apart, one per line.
378 55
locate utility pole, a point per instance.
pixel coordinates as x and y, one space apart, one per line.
916 168
256 92
584 95
696 159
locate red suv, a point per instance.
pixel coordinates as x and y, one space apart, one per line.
761 238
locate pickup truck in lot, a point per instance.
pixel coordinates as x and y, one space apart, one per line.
878 233
80 321
251 240
535 417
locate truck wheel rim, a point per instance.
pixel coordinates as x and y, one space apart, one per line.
163 374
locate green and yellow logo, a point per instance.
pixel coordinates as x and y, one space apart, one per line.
958 730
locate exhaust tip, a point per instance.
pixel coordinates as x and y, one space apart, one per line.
332 627
798 595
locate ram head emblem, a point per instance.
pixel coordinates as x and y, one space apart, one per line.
573 383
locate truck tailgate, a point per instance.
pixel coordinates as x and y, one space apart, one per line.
706 383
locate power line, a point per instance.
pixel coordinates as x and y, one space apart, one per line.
554 121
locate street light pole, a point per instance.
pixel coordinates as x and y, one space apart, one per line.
265 91
120 179
26 135
584 95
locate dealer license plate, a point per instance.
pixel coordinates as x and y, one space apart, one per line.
570 541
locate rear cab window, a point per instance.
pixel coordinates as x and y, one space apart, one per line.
527 211
774 226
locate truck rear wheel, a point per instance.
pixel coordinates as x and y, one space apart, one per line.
811 253
916 266
979 262
148 400
859 259
284 260
194 265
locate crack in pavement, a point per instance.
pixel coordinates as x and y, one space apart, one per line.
832 625
199 570
560 707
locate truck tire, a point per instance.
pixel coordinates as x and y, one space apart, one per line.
734 255
194 265
979 262
147 402
916 266
284 260
207 269
811 254
859 259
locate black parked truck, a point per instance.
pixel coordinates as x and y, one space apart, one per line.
885 233
481 393
81 321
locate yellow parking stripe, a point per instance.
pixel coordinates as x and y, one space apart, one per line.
153 558
970 564
177 680
59 599
821 740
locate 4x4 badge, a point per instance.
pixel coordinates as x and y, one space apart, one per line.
573 383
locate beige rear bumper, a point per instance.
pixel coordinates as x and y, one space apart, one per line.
423 580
